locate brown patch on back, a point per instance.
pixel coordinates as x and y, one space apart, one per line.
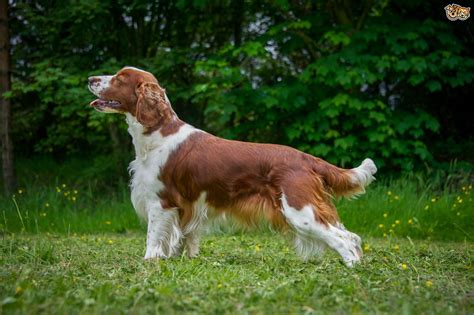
245 180
240 178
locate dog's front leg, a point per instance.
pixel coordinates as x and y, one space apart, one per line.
163 232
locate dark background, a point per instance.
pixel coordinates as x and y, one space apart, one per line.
343 80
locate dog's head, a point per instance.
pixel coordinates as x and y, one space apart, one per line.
133 91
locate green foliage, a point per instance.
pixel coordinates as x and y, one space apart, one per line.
383 80
365 95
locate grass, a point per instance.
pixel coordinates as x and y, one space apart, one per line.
236 273
73 244
398 208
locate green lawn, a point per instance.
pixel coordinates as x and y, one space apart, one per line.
72 245
235 273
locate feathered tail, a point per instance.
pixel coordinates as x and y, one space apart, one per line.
346 182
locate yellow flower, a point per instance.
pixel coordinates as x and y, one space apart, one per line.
433 199
404 266
396 247
42 214
463 187
389 193
397 222
75 192
384 234
257 248
385 215
18 290
470 186
110 241
58 189
390 231
20 191
219 285
396 197
108 222
46 205
73 198
366 247
393 225
429 283
287 249
460 200
64 185
427 207
381 226
410 221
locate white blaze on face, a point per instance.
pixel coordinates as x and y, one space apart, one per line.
98 86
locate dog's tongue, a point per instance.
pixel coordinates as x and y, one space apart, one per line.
95 102
102 102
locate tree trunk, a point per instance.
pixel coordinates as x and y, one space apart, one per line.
238 18
7 145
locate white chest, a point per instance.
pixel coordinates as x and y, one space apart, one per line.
145 185
152 153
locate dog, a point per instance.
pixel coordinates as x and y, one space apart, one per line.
182 175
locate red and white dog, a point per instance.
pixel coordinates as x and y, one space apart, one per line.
182 175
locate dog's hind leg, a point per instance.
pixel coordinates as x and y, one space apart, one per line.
307 206
313 236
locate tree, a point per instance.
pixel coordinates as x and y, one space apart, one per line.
340 79
7 145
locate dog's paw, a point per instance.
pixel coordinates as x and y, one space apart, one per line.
350 263
154 252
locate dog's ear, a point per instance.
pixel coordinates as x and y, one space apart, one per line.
151 108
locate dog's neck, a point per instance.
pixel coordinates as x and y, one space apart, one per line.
145 142
142 142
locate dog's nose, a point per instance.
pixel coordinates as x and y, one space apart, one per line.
93 80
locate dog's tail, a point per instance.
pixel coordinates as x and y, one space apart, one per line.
346 182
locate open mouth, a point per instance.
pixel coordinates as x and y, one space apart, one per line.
102 105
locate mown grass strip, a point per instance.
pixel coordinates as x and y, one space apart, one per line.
235 273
